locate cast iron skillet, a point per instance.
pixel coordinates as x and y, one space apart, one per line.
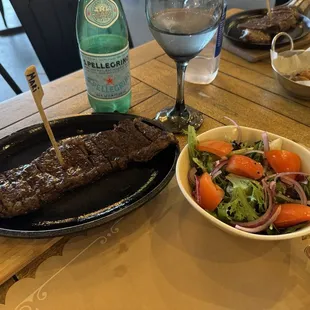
107 199
232 32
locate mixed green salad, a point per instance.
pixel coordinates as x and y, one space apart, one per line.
255 187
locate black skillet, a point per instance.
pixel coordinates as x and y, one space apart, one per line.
232 32
107 199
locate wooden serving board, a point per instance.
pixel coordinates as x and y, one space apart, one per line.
254 55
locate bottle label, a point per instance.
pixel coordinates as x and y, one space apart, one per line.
101 13
107 76
220 30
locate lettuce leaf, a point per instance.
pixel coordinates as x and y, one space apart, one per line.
246 200
306 188
202 160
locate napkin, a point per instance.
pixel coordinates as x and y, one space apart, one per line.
291 65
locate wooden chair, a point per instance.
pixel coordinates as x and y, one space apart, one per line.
9 80
8 30
50 26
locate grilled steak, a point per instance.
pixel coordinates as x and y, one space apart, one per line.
255 36
280 19
87 158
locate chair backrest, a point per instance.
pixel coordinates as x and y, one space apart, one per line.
50 26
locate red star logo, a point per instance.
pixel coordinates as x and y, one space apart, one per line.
109 81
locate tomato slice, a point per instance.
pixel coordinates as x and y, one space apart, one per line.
292 214
210 194
245 166
284 161
219 148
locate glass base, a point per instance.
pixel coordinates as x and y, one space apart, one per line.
179 124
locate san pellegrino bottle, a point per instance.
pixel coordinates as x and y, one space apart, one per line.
103 41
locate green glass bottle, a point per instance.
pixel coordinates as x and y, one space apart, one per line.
103 40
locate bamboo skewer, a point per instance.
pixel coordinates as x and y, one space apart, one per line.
268 8
37 93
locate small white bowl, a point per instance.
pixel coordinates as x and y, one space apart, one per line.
228 133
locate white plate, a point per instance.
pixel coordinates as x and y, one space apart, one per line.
229 133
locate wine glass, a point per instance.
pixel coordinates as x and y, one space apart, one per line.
182 28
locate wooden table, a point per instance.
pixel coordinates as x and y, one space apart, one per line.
245 92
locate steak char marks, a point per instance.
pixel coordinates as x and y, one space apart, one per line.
262 29
87 158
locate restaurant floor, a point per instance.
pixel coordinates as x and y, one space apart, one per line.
16 52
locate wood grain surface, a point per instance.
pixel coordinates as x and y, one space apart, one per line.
4 289
219 102
246 92
16 254
277 102
75 105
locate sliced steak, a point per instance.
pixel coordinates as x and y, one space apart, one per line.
48 163
78 168
281 19
43 184
160 140
17 198
3 179
86 158
255 36
128 127
147 153
150 132
117 157
97 158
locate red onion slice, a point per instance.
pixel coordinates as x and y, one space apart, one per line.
198 196
219 166
263 226
272 187
265 141
216 174
239 137
282 174
254 151
298 188
266 216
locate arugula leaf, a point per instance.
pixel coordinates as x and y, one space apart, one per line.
306 188
272 230
280 198
294 228
258 145
203 160
246 200
281 187
199 164
192 143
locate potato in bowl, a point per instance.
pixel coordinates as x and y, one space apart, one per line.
246 226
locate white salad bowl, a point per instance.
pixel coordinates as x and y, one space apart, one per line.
229 133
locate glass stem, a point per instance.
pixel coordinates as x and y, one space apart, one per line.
179 108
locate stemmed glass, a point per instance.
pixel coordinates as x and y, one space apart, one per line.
182 28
